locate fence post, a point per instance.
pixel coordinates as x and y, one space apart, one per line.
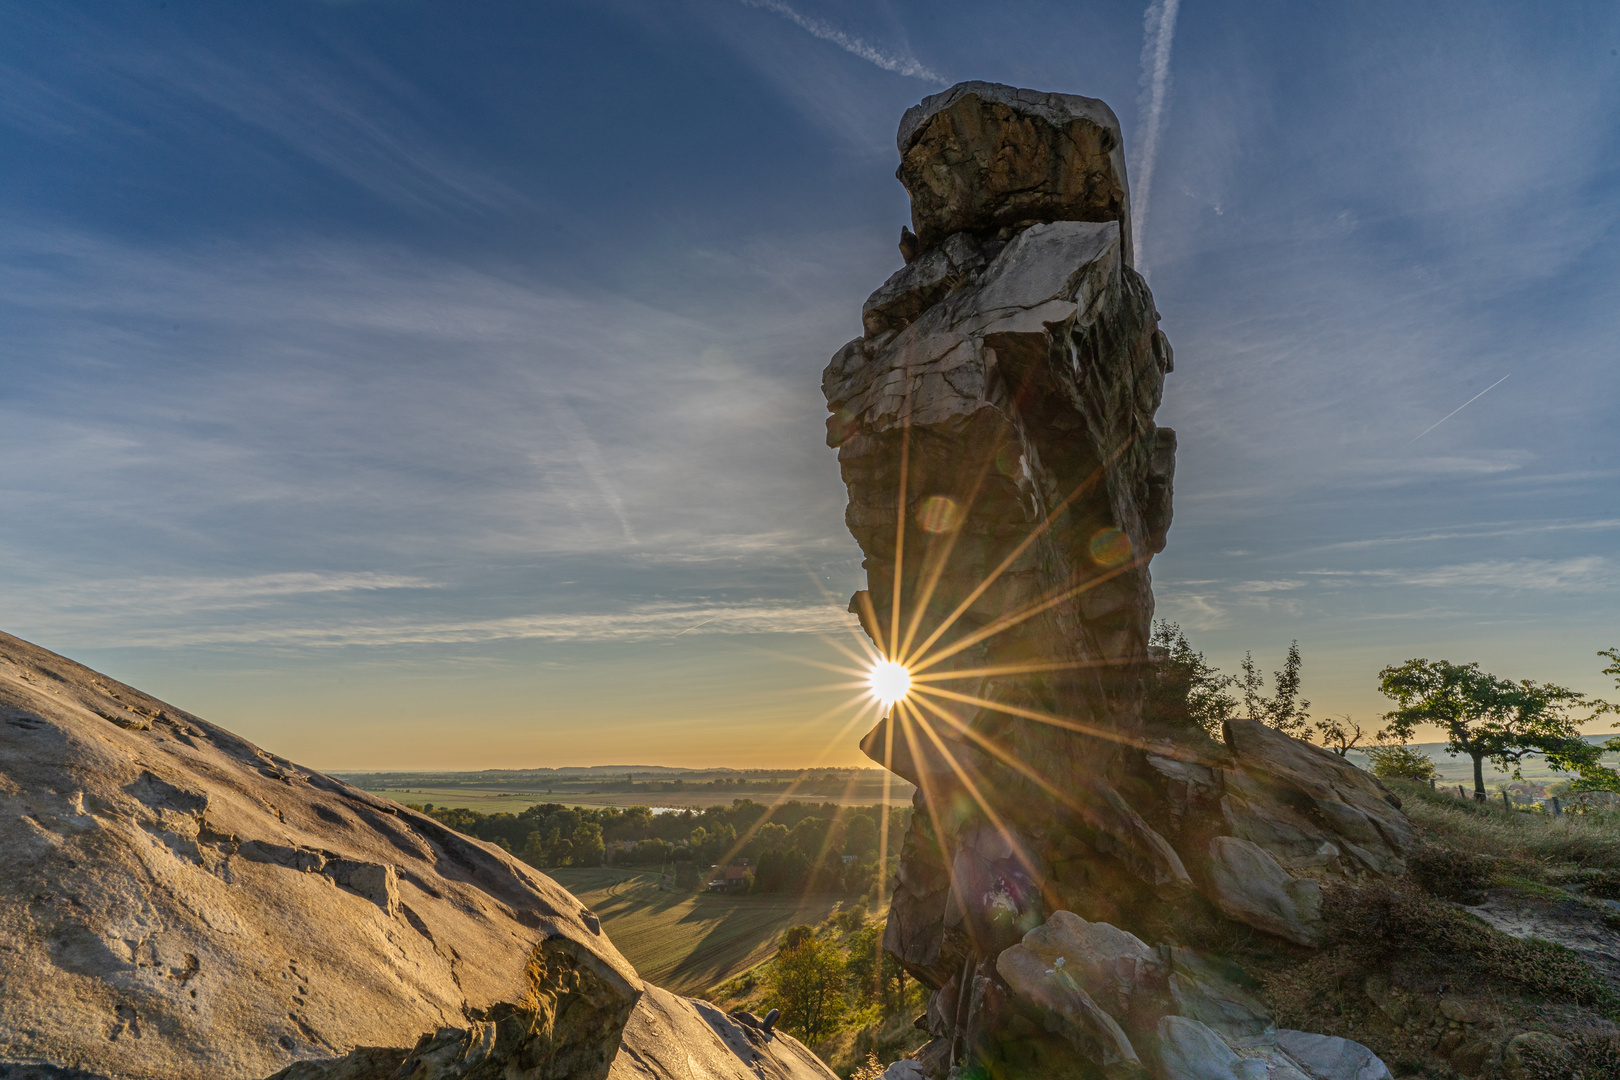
1558 810
1506 805
1460 794
1432 783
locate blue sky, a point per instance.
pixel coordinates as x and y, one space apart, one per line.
413 383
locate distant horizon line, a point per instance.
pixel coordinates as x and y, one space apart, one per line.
620 769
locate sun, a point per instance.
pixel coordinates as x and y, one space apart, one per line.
890 682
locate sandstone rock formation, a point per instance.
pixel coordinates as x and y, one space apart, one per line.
179 904
1008 486
667 1037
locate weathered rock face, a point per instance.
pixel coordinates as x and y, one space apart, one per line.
667 1037
980 156
1008 486
180 904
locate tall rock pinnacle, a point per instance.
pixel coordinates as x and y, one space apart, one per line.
1008 486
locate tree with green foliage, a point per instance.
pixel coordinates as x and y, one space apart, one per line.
1601 778
1486 717
1186 690
861 836
588 849
1393 759
1284 710
807 984
875 976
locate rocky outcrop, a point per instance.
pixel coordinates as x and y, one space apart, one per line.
1164 1012
1008 486
181 904
667 1037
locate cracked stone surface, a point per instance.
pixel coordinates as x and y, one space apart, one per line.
1009 487
179 903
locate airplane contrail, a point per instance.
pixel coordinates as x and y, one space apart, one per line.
694 626
1159 26
900 65
1461 407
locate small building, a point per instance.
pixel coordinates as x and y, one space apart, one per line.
733 879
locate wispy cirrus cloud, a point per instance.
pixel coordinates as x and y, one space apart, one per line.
819 28
1480 532
1558 575
181 594
643 623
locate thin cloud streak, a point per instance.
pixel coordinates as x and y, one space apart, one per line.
205 593
817 28
1463 406
1159 25
592 464
1464 534
646 623
1559 575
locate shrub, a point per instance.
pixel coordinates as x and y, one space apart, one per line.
870 1069
1401 762
1604 884
1583 1056
1451 875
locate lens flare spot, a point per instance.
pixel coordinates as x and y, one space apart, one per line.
939 514
1110 547
890 681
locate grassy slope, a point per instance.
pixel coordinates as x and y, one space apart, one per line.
682 941
1401 949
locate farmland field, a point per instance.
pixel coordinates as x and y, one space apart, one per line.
683 941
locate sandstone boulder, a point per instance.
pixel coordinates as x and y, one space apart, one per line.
982 156
1249 886
180 903
1166 1011
667 1038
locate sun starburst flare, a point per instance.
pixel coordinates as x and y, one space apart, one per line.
890 682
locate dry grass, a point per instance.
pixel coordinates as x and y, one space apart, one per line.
1397 951
1535 845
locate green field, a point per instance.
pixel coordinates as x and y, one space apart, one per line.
683 941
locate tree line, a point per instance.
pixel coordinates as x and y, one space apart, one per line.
795 847
1482 716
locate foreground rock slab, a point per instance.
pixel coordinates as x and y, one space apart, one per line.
1162 1012
179 903
667 1038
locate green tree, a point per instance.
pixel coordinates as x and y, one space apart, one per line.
588 847
1185 690
1404 762
1599 778
1486 717
861 836
1340 733
1284 710
807 984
